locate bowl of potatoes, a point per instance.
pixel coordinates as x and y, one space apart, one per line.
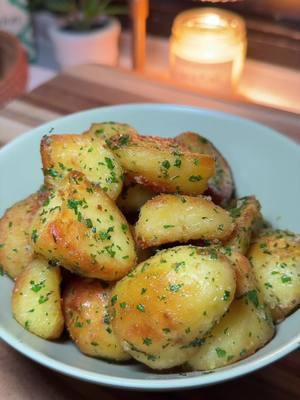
150 246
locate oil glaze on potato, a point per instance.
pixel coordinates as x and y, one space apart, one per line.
275 257
81 228
221 185
36 302
248 220
245 328
170 218
85 306
164 307
15 229
64 153
105 130
162 164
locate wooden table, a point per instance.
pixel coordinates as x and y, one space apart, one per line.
91 86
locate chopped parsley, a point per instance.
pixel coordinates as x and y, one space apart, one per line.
220 352
43 298
175 287
51 172
147 341
124 227
178 265
226 295
195 178
177 163
110 251
114 299
252 296
34 236
109 163
285 278
36 287
166 164
235 212
140 307
213 254
88 223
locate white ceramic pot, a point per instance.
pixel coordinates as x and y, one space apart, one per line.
100 46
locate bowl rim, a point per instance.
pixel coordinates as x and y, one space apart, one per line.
169 383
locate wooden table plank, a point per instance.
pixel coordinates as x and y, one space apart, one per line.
22 379
92 86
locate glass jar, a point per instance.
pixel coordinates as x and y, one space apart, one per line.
208 48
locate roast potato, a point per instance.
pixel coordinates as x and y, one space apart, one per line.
169 218
245 279
245 328
85 306
15 244
162 164
221 184
64 153
36 302
104 130
82 229
165 306
275 257
248 220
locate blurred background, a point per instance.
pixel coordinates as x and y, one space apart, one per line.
247 49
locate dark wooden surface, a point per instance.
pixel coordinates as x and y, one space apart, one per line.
91 86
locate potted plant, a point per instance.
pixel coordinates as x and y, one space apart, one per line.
87 31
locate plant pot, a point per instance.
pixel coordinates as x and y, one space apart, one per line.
13 68
100 46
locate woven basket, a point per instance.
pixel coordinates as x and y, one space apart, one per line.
13 68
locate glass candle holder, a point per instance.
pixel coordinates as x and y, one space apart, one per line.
208 48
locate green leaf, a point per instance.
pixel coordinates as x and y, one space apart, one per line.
116 10
91 8
61 6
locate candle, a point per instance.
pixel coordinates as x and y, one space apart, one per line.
207 48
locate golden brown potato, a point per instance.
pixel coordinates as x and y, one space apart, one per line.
248 220
15 245
275 257
162 164
85 306
104 130
221 185
169 218
164 307
36 303
133 197
82 229
245 279
244 329
64 153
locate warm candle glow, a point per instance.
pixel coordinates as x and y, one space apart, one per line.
208 47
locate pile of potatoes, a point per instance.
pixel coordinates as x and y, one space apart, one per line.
138 247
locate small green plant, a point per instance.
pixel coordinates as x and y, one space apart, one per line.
80 15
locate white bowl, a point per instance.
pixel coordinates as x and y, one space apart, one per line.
264 163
